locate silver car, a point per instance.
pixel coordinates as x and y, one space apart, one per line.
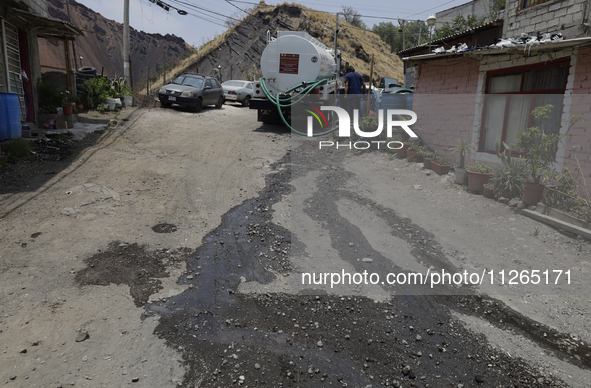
238 91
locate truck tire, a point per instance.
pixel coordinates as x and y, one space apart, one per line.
87 70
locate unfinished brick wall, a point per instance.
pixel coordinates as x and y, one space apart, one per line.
553 16
444 102
579 134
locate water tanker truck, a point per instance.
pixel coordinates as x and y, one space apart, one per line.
294 65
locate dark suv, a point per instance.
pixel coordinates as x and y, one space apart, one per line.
193 91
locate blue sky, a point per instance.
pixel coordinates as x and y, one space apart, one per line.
149 17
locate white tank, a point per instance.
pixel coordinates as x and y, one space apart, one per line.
296 57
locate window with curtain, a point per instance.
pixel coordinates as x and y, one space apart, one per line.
512 95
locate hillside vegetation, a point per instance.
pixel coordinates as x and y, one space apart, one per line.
238 50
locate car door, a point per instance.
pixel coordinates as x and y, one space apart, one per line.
208 93
219 90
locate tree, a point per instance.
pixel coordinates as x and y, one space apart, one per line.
353 17
415 33
459 24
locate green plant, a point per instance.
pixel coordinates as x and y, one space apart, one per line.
50 96
538 147
97 90
479 167
570 193
512 175
440 159
19 148
425 153
369 123
463 147
414 147
102 108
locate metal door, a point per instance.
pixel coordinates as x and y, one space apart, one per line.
13 64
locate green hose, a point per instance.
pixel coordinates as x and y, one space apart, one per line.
303 93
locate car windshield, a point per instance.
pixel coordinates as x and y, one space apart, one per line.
239 84
191 81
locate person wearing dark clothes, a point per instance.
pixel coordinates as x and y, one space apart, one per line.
354 89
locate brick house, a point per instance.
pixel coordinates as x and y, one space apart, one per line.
495 88
22 22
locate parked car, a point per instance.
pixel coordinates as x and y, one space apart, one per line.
193 91
238 91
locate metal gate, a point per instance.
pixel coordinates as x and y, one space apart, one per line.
13 64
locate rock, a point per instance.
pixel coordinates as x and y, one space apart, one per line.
411 375
417 187
68 211
257 366
406 370
367 260
189 277
13 377
541 380
532 208
135 379
479 379
418 338
428 172
82 335
419 354
513 202
521 205
460 385
85 358
319 344
23 351
504 200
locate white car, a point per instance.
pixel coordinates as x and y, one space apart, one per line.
238 91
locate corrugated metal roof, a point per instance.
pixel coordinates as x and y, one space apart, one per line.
493 23
45 24
509 50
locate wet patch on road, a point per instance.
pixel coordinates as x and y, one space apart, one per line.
133 265
271 339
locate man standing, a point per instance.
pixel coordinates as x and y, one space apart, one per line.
354 89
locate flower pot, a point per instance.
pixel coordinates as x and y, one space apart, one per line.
532 193
410 155
128 100
440 169
477 180
402 152
488 192
79 107
460 175
427 162
68 109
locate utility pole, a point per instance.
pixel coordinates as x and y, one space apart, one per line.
336 33
126 72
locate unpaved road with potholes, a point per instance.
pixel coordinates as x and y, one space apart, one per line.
169 251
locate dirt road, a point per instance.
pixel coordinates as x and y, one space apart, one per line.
170 252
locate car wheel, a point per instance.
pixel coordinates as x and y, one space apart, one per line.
220 103
165 104
198 105
246 101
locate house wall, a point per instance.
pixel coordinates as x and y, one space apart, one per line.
564 16
443 120
578 138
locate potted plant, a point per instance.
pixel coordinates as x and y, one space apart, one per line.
508 181
463 147
439 165
412 151
402 152
539 150
488 191
419 158
478 175
428 156
67 103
